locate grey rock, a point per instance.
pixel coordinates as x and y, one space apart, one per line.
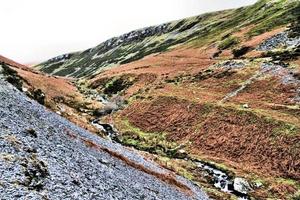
241 185
231 64
279 40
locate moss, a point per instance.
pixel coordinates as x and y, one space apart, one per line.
288 182
51 67
188 26
215 193
228 42
151 142
285 129
296 196
118 84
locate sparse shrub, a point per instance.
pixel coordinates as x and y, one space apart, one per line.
118 84
285 55
296 197
216 54
170 80
241 51
59 99
295 27
296 75
39 96
223 74
31 132
228 42
11 76
203 75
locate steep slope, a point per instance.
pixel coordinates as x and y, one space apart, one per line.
43 156
57 93
199 30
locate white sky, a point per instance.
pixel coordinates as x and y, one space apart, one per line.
36 30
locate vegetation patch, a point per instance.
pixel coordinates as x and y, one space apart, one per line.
284 55
115 85
225 132
155 143
241 51
228 42
279 14
12 76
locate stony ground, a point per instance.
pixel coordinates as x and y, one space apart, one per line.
43 156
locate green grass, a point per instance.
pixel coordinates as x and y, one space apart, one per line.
296 196
151 142
288 182
228 42
285 129
280 14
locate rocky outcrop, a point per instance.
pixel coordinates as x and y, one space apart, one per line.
281 40
135 36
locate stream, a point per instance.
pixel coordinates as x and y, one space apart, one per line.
220 179
108 129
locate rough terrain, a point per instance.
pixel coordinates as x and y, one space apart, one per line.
44 156
214 98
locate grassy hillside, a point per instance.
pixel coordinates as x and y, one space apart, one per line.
196 31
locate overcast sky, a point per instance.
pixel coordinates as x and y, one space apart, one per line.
36 30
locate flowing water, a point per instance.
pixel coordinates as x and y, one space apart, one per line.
220 179
108 129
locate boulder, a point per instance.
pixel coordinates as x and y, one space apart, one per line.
241 185
245 106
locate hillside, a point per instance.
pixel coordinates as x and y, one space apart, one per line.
44 156
10 62
195 31
214 98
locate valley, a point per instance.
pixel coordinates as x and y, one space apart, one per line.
207 103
